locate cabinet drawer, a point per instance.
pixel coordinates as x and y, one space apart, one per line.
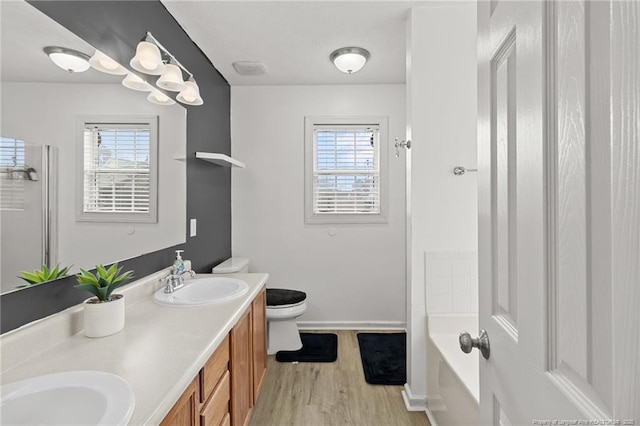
214 369
217 407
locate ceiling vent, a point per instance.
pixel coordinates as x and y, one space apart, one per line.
250 68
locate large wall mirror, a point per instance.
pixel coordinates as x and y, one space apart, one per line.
44 112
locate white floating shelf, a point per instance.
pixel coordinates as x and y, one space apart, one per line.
220 159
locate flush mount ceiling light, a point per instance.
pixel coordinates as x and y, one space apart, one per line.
101 62
349 59
68 59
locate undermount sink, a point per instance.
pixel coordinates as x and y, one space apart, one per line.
69 398
203 291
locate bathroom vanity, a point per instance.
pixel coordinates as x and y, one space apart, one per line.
186 365
226 388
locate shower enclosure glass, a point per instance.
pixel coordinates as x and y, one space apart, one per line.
25 209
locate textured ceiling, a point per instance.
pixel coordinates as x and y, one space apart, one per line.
294 38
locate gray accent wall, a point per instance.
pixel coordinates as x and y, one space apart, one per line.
116 27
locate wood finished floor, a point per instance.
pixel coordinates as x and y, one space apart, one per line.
326 394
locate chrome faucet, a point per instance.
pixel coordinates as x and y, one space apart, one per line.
191 273
176 281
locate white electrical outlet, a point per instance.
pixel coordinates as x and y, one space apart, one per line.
193 227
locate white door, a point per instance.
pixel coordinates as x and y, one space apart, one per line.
559 211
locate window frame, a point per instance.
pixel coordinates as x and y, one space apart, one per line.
310 124
112 217
15 188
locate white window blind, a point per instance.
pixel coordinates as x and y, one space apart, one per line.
346 170
12 163
117 168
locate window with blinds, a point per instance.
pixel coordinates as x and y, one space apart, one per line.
12 165
119 172
345 182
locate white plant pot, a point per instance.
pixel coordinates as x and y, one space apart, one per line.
104 319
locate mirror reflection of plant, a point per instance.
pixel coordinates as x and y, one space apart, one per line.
42 275
103 282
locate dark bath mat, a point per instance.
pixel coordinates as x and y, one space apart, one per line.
316 347
384 357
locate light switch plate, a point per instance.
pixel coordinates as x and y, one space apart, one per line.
192 232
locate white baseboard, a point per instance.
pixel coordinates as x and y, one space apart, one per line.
353 325
432 419
413 402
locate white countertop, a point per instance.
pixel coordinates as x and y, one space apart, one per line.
159 352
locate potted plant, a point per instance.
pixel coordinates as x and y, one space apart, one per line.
43 275
104 313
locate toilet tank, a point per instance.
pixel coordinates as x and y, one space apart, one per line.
232 265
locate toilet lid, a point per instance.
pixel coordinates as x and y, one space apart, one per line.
282 296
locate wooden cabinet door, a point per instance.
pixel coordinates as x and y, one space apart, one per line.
184 412
259 312
241 371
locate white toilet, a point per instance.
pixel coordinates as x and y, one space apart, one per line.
283 307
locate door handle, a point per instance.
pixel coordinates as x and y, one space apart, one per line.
467 343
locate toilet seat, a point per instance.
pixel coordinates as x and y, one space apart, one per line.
286 306
282 297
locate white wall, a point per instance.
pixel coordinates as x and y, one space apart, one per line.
353 278
441 119
45 113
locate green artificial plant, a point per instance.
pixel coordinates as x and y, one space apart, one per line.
43 275
103 282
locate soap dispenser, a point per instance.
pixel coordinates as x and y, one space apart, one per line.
178 264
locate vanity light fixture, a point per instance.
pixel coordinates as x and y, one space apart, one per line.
68 59
148 58
101 62
171 78
190 95
154 59
134 82
349 59
159 98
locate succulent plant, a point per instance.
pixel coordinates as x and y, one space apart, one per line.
43 275
104 281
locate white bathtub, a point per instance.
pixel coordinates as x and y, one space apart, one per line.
453 378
